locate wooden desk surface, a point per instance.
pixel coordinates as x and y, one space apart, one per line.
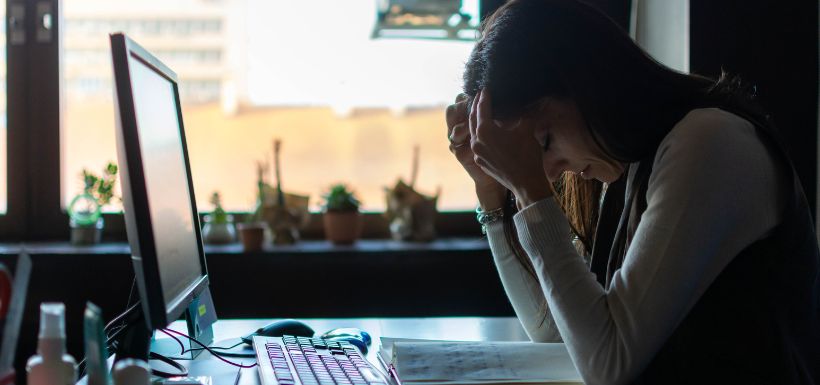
453 328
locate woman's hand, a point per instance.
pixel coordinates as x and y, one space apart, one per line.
508 153
490 193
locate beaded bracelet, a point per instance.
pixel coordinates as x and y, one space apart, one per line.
486 217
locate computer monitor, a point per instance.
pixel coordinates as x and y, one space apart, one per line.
158 195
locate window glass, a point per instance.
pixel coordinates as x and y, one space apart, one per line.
347 107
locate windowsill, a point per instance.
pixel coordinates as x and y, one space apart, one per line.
307 246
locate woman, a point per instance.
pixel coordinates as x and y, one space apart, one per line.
704 261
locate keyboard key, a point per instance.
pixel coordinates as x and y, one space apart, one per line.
283 376
306 373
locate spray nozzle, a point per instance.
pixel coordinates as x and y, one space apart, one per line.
52 320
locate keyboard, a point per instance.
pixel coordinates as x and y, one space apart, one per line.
293 360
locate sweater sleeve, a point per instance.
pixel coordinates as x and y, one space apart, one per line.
523 290
710 176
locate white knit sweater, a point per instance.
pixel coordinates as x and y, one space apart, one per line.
714 189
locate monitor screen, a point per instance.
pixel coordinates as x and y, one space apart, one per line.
166 181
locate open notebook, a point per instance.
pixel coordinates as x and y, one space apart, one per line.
431 362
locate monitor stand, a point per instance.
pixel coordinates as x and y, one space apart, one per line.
199 318
139 340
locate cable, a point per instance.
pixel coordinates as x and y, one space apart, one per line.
131 292
120 317
129 308
159 373
181 345
210 350
215 347
112 333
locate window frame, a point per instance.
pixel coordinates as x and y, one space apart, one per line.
32 147
14 222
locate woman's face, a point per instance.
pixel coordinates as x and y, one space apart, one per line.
568 143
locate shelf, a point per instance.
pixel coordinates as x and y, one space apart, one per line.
303 247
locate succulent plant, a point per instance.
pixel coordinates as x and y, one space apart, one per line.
218 215
340 198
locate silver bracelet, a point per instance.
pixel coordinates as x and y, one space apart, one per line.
486 217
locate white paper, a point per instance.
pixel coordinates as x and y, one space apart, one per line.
452 362
386 345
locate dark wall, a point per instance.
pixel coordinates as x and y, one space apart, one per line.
617 10
774 45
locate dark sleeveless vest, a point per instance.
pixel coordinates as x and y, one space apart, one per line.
759 321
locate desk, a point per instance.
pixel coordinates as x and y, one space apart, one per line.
455 328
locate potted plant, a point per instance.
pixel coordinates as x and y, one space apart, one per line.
251 235
252 229
218 225
252 232
85 210
342 220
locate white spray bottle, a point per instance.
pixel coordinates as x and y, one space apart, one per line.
51 365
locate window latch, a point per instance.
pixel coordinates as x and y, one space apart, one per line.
17 28
45 22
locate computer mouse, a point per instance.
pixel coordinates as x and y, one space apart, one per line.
280 328
356 337
348 332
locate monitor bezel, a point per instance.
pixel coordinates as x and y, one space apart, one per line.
140 232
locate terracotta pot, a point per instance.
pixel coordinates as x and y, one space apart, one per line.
251 235
342 227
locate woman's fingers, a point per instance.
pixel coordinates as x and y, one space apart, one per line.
463 154
457 112
481 115
460 134
484 109
473 122
455 115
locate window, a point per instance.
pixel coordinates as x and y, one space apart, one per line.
347 107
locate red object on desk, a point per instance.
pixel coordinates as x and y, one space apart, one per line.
7 378
5 292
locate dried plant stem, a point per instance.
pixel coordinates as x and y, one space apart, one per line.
277 146
414 170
